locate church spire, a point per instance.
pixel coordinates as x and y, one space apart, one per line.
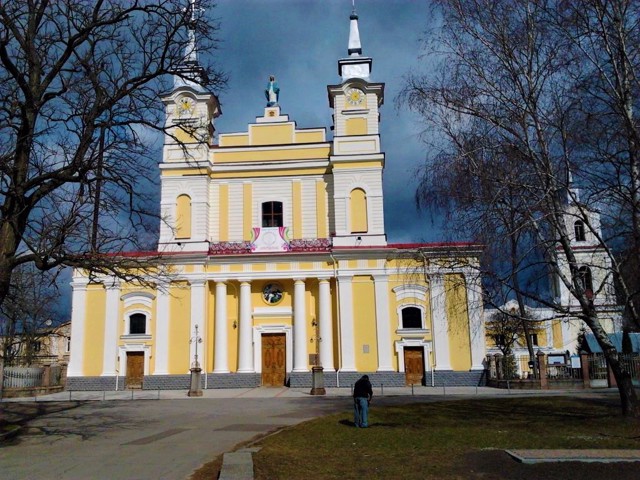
190 73
355 65
355 48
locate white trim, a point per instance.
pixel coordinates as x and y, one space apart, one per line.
257 344
133 347
423 316
78 320
132 298
162 333
111 330
127 321
414 342
383 327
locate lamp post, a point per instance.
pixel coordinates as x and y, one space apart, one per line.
195 389
317 372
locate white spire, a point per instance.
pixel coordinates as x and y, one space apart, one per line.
355 48
196 75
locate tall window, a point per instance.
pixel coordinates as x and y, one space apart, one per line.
183 216
578 228
272 214
585 279
534 339
138 324
411 317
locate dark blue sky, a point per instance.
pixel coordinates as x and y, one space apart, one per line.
301 41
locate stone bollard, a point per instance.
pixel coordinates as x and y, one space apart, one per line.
317 381
196 389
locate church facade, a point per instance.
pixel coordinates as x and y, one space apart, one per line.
279 261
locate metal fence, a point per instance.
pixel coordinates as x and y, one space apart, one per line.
22 377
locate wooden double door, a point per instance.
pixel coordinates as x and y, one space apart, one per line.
274 359
135 369
414 365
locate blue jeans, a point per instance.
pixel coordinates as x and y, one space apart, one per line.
361 412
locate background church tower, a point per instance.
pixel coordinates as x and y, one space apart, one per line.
185 168
356 159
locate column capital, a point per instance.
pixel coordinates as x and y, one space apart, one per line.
324 279
380 278
245 280
197 282
299 279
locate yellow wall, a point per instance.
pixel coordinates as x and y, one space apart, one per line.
356 126
179 326
456 305
94 330
182 135
247 220
271 134
183 216
233 140
358 201
556 330
364 323
223 205
257 155
311 136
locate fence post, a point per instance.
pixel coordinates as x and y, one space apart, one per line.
542 364
584 366
46 375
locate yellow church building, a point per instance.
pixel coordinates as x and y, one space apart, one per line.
276 241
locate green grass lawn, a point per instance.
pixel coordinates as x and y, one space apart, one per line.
441 440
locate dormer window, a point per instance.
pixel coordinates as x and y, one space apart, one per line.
272 214
578 229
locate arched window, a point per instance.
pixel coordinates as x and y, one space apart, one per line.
578 229
272 214
359 221
183 216
137 324
586 281
411 317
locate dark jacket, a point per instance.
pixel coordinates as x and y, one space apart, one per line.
362 388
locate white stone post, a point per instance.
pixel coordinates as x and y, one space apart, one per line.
440 322
198 316
220 359
325 325
111 327
245 360
300 363
381 286
161 338
78 319
346 324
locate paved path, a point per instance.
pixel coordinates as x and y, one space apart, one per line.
171 437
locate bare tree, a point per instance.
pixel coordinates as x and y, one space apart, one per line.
508 87
27 315
80 127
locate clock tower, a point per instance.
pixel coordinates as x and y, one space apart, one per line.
185 169
356 158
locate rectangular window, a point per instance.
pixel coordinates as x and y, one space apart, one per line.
272 214
534 339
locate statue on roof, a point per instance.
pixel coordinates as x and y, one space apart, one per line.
272 93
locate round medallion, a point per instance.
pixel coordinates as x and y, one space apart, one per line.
272 293
355 96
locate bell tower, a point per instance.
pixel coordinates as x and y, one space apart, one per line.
190 112
356 158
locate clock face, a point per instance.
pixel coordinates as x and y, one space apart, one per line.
186 105
272 293
355 96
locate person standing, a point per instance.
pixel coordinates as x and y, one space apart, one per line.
362 394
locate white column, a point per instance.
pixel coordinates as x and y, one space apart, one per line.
381 286
161 337
198 317
111 327
78 319
476 324
325 325
245 360
440 322
300 361
346 324
220 359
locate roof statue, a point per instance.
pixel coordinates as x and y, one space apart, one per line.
272 92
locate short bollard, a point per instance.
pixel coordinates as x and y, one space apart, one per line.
381 389
412 389
69 394
444 388
132 394
158 393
